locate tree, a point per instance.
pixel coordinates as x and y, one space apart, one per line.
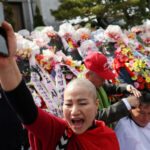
38 19
104 12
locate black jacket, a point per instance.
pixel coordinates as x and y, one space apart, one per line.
12 134
116 111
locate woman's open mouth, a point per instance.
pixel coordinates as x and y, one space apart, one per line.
77 123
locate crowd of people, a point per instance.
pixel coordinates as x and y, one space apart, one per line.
85 108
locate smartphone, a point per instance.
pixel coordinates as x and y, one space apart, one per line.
3 37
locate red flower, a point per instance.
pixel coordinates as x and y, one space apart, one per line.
140 79
39 57
98 44
85 36
113 81
140 46
141 86
123 58
45 63
51 33
78 69
68 62
148 85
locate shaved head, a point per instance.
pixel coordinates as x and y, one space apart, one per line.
82 83
80 105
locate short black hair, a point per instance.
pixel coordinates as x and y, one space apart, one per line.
145 98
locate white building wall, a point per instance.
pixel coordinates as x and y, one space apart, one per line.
45 6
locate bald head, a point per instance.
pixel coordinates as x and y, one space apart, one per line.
82 84
80 105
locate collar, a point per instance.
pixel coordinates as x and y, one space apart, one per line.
93 126
70 132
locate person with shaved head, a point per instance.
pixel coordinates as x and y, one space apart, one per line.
80 104
77 131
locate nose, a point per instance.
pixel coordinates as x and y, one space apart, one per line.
75 110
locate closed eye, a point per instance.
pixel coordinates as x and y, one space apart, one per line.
68 105
83 103
141 112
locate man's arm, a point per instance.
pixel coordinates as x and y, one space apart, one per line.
118 110
115 88
119 88
113 112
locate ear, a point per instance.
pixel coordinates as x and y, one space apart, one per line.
97 103
87 75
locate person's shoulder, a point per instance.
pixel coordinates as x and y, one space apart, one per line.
148 126
102 126
124 121
123 125
49 116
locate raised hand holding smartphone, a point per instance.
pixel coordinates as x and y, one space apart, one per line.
3 37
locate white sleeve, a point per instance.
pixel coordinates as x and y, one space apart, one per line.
126 103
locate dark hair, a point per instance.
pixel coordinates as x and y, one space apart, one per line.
145 98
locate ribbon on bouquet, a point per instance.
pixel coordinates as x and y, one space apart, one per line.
65 44
60 84
72 69
49 84
42 87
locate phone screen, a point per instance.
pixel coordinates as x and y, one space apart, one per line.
1 14
3 43
3 37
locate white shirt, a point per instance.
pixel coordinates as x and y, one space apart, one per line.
126 103
131 136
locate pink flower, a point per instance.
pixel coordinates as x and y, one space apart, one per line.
136 73
69 76
146 52
116 45
136 84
